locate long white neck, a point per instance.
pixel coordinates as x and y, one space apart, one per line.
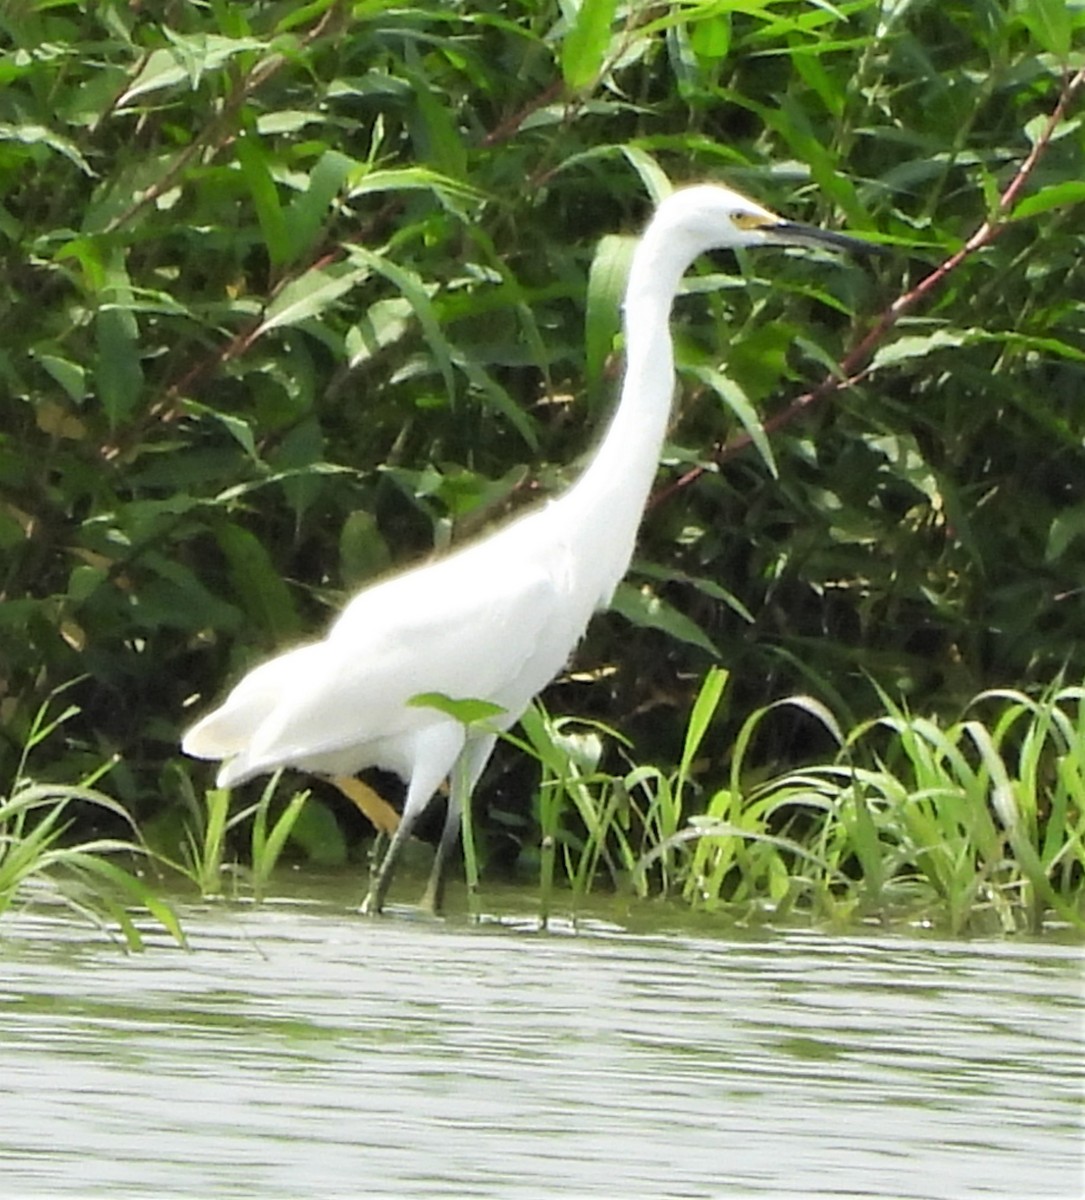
607 501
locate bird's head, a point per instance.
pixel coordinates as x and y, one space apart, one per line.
710 216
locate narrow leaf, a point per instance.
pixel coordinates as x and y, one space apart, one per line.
704 709
118 371
584 49
312 293
186 59
467 711
310 209
38 135
253 159
643 608
413 289
1072 191
918 346
602 319
262 592
739 404
71 376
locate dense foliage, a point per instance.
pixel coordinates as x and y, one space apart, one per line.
295 293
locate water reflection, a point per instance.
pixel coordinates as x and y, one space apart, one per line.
303 1051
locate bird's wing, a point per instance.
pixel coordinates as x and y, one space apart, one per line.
469 624
491 622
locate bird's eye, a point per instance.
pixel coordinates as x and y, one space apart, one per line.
747 220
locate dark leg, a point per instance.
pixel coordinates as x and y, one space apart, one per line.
465 774
434 895
421 787
374 901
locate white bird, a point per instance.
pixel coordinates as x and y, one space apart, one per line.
497 619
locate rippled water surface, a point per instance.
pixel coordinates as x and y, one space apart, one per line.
302 1051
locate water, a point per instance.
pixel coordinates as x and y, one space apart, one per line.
302 1051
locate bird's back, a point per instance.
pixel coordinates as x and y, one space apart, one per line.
495 621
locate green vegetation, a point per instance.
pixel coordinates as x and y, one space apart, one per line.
293 294
40 866
974 825
207 854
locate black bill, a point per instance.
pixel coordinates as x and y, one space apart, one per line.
794 233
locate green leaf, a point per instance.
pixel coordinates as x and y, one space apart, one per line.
92 863
187 59
71 376
500 399
918 346
827 88
759 360
367 181
257 583
318 834
1050 22
646 609
602 317
704 709
238 428
118 370
438 132
1057 195
708 587
710 38
585 46
363 552
739 403
652 176
1067 527
267 845
793 123
299 457
39 135
176 599
414 290
312 293
311 209
256 171
287 121
303 14
466 711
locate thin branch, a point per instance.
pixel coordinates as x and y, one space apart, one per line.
509 126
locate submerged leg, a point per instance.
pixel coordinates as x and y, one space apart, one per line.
374 901
434 757
465 774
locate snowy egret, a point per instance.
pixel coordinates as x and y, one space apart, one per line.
498 619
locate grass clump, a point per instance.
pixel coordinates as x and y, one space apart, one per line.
210 831
975 824
39 864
